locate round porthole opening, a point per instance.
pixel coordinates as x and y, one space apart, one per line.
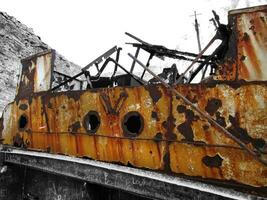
91 122
133 124
23 121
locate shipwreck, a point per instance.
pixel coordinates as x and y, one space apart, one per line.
213 132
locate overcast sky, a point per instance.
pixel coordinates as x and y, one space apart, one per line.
81 29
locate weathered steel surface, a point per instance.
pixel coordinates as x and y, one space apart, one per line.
148 126
145 183
36 73
252 45
170 130
246 57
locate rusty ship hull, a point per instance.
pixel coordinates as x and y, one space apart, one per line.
174 138
150 127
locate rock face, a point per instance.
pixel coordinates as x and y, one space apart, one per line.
17 41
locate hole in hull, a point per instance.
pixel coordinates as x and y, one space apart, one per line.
133 124
23 121
91 122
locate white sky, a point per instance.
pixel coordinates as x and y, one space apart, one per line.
82 30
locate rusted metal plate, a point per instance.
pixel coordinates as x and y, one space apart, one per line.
64 113
247 47
6 122
252 45
42 78
148 126
173 137
248 10
36 73
242 111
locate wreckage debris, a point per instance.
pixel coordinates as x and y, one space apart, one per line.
165 123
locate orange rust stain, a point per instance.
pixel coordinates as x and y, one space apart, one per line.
188 160
184 158
255 38
52 115
248 50
227 71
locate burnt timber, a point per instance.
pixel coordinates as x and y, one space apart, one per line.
213 131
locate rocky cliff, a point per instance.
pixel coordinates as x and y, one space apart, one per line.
17 41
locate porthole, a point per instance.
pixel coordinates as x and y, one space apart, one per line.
132 124
23 121
91 122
